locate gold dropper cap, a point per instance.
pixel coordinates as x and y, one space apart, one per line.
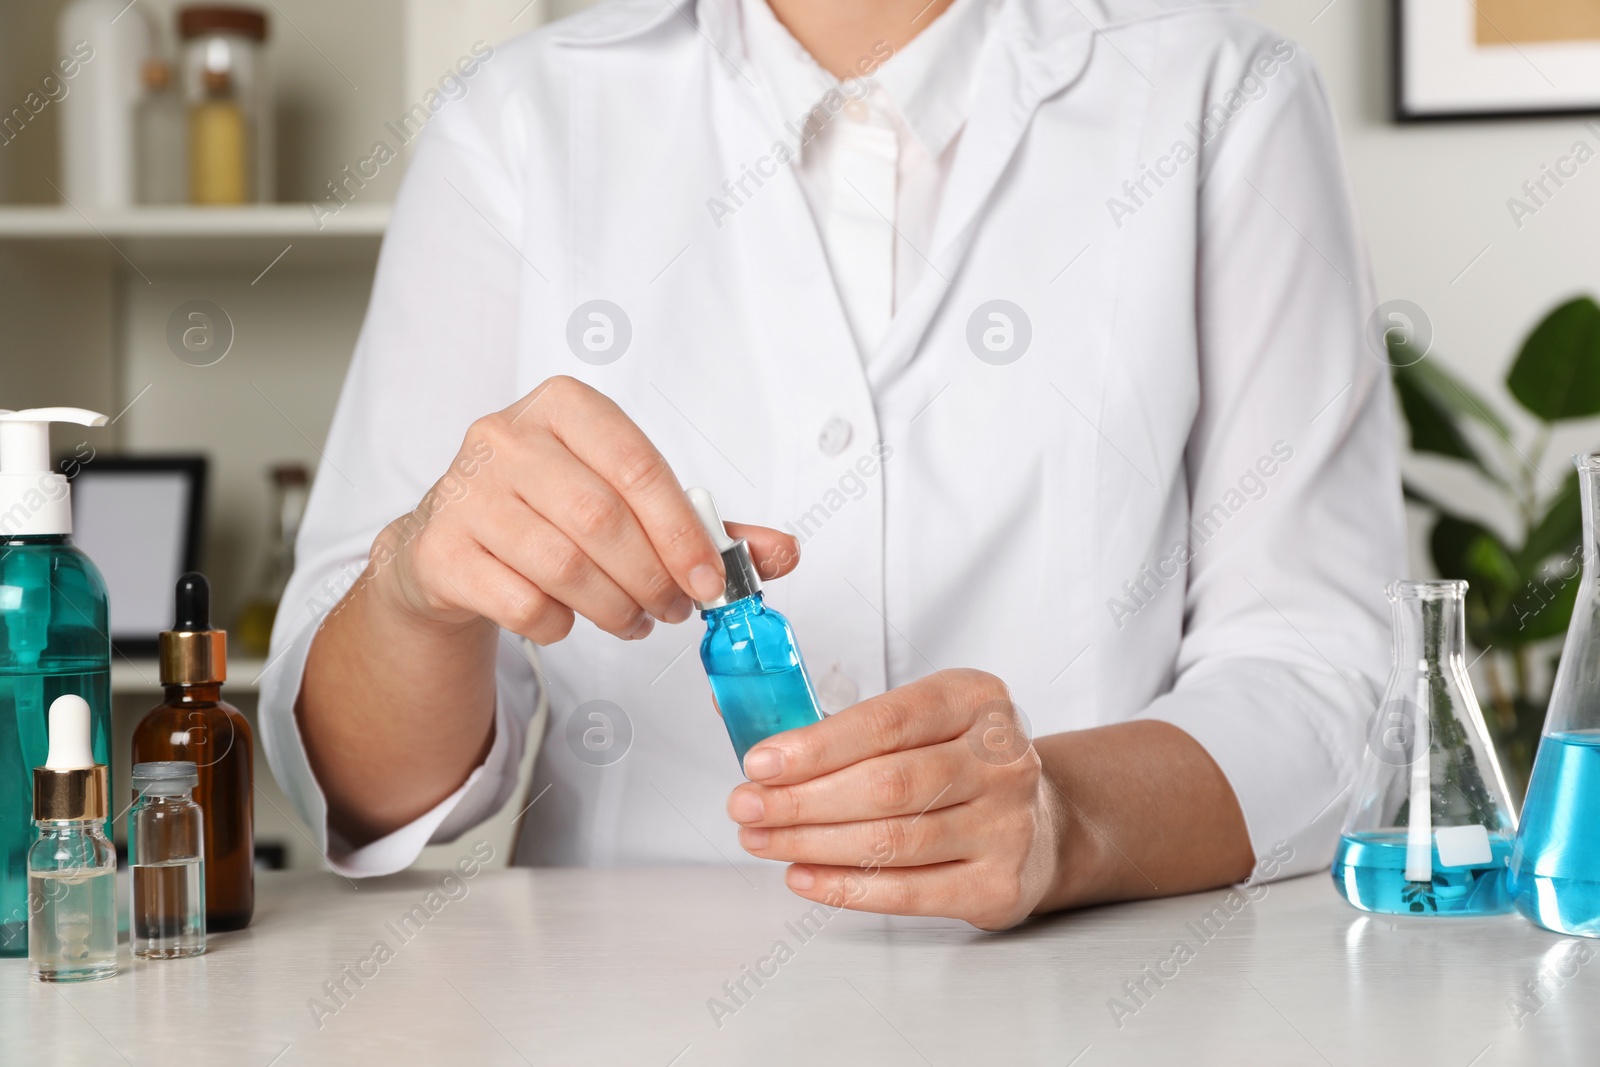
73 794
192 653
70 786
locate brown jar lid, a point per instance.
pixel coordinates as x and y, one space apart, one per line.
215 18
290 474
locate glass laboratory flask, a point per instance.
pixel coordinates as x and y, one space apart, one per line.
1555 867
1429 827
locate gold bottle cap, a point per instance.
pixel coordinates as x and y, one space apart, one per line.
192 653
72 794
194 657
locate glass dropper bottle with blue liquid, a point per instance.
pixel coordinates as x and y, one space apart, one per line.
749 651
1555 866
1430 825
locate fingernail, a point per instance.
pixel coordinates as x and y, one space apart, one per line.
746 807
680 610
763 763
705 583
801 877
641 631
755 837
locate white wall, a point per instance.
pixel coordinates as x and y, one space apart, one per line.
1432 197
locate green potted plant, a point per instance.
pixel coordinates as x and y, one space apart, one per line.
1522 589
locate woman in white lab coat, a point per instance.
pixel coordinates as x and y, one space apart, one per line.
1034 331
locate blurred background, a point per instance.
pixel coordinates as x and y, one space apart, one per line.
207 293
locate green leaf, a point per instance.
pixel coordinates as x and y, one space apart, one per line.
1540 610
1558 532
1452 394
1436 405
1418 496
1488 557
1431 427
1557 374
1469 551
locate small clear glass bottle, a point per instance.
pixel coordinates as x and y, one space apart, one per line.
161 132
749 650
1429 826
166 858
72 868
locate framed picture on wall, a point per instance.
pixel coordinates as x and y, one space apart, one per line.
139 518
1474 59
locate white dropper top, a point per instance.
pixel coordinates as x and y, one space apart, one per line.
706 507
69 734
737 566
34 497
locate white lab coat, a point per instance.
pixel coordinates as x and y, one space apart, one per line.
1181 501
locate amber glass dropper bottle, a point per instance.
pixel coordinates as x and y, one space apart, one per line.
194 723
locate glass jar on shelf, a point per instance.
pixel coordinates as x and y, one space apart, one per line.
252 627
228 97
160 130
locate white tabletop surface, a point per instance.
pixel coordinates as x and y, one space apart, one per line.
619 967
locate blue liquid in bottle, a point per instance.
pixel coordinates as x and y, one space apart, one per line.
749 651
756 673
1369 872
1555 869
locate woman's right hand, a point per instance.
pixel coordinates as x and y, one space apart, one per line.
559 506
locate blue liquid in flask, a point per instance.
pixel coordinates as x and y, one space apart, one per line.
1555 870
1369 871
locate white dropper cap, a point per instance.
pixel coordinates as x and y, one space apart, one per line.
706 508
69 734
35 498
740 570
70 786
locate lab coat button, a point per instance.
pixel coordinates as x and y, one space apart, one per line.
836 691
855 111
835 436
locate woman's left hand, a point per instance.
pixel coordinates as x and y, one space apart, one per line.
927 800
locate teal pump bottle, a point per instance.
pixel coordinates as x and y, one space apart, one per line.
749 651
54 638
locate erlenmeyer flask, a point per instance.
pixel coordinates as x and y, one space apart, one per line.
1555 867
1429 828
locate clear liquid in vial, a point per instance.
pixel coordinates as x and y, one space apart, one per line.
169 910
72 924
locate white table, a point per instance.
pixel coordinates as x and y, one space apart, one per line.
617 967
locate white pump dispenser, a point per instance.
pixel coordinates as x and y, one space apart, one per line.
34 499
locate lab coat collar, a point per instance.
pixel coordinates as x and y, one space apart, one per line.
1033 50
928 82
617 21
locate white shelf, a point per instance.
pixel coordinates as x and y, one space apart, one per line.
244 237
143 676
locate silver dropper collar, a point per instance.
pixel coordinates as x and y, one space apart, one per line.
743 581
740 570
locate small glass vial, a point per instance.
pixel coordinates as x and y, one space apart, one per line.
166 857
72 868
